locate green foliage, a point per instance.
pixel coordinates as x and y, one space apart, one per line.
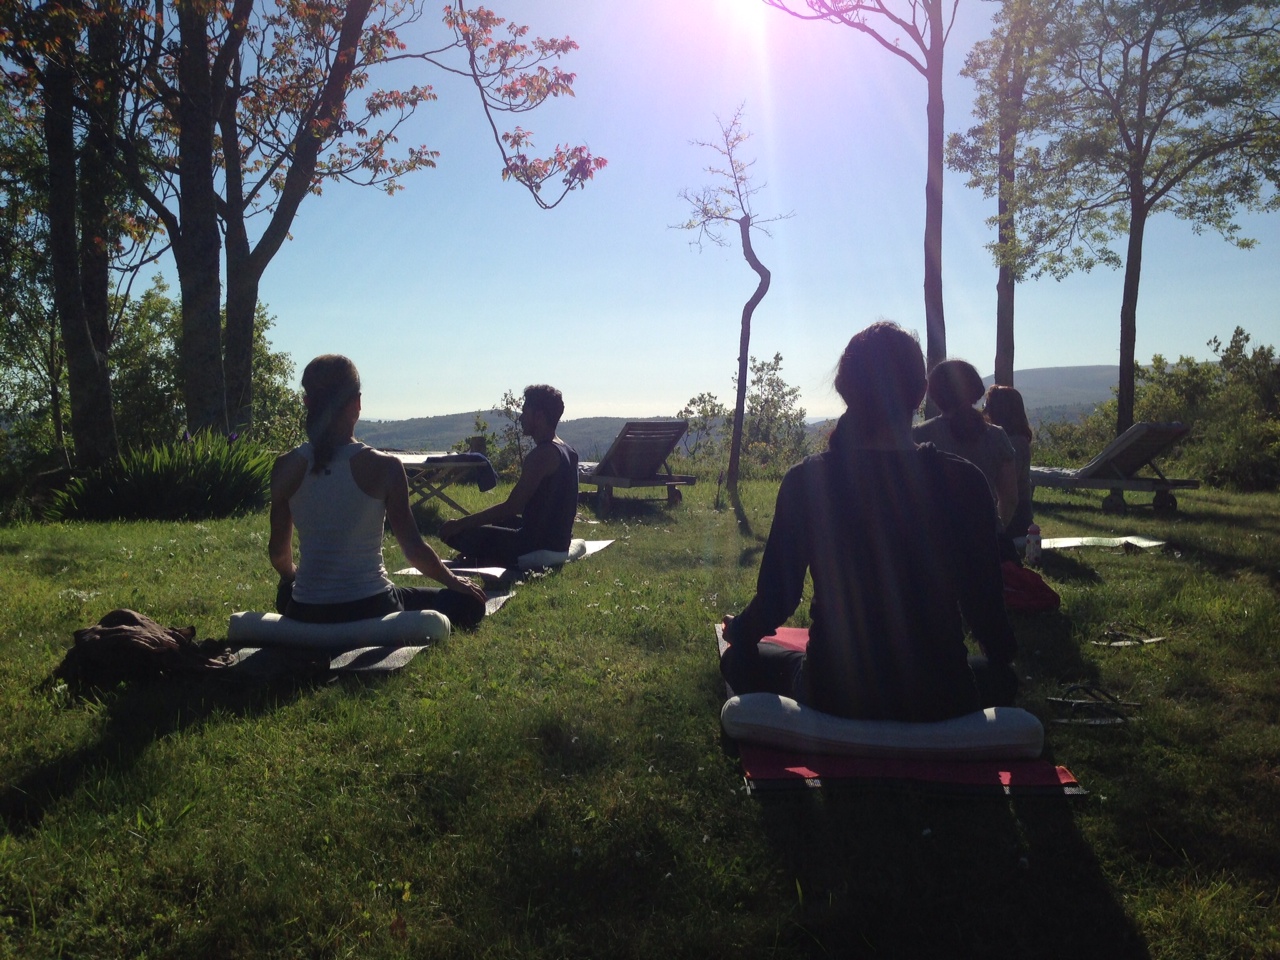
1068 443
774 435
278 413
508 444
145 388
206 477
705 446
1103 135
146 377
1232 406
1238 449
1012 71
481 437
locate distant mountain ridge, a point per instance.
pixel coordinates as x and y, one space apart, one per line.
1050 393
1052 387
590 436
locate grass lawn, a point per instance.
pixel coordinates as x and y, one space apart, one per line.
553 784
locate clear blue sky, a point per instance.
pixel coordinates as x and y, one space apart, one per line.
458 287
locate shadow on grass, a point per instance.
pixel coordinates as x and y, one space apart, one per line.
638 508
740 512
1049 649
914 874
1065 568
750 554
137 714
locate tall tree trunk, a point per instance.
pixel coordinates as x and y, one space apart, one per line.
98 179
1013 77
93 430
242 307
198 251
934 321
1005 291
1006 235
243 273
1006 238
54 367
1129 318
245 263
744 347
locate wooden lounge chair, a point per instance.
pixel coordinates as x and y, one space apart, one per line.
636 458
1116 468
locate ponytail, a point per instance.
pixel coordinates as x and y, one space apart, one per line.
330 382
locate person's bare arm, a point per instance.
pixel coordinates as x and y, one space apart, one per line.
286 477
541 463
416 550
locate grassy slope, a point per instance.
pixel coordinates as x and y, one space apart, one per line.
553 784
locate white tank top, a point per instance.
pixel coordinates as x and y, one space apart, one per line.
340 531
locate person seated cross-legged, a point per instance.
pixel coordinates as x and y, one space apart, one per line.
900 541
339 493
539 512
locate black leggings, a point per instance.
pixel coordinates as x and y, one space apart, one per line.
491 545
464 611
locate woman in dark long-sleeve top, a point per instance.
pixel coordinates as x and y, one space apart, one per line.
901 543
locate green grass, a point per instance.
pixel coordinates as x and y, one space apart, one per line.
553 784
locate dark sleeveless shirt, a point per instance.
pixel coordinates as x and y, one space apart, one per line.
548 516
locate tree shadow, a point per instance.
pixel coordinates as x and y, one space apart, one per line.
138 714
1066 568
635 508
740 514
910 873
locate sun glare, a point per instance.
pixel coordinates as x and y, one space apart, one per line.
745 28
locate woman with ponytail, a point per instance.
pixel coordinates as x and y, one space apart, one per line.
900 541
340 493
955 386
1004 408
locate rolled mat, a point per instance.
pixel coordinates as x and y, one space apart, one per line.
991 734
406 628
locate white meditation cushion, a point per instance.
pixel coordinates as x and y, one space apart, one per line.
406 628
552 558
996 733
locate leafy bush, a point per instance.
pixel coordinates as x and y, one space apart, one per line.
1239 449
1071 444
204 478
1232 405
774 435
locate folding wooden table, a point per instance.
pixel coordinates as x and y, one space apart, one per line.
430 474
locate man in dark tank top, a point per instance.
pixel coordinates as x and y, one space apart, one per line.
539 513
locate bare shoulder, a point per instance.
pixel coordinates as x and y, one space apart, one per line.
376 473
376 461
542 459
287 474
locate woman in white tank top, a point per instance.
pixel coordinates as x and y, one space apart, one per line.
339 493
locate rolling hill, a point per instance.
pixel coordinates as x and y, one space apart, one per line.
1050 393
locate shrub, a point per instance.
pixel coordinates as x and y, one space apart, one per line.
1232 405
1066 444
1238 449
204 478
